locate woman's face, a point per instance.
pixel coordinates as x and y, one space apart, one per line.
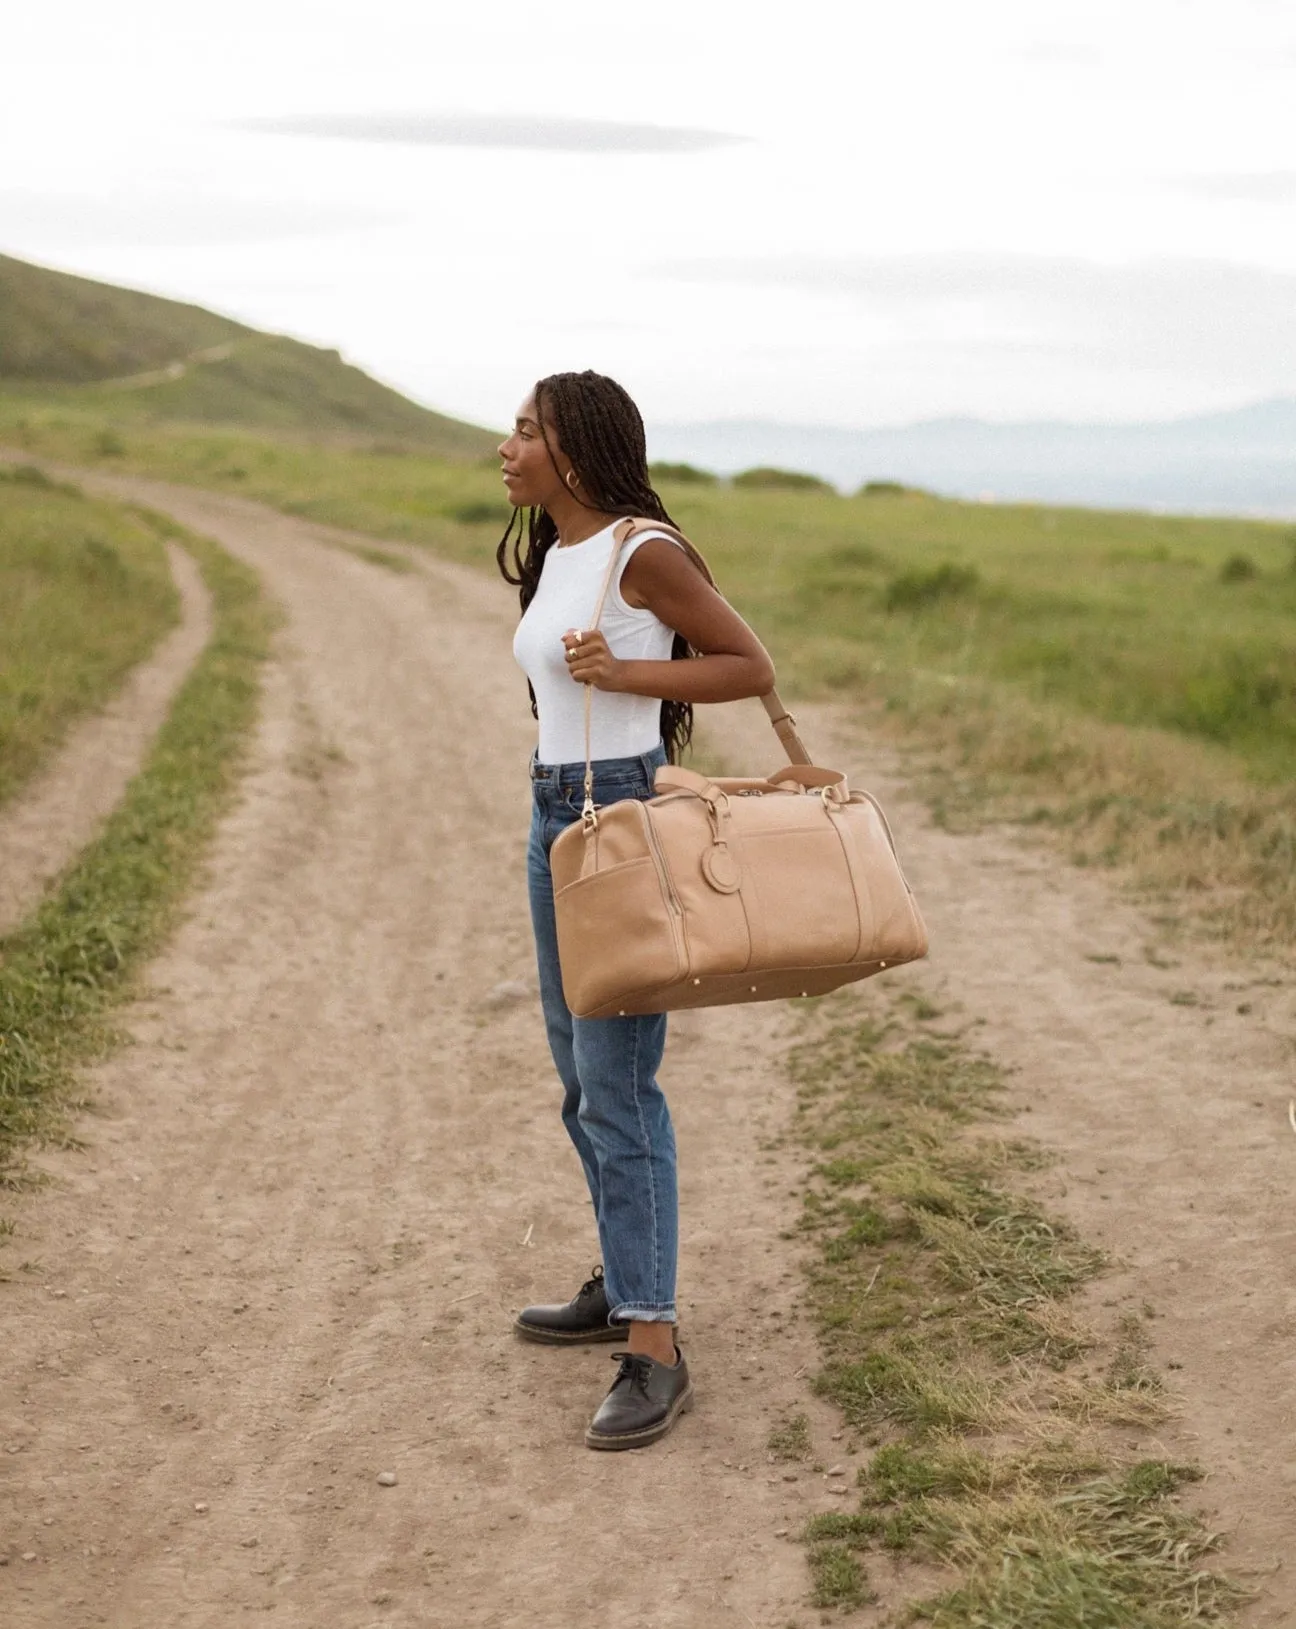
530 478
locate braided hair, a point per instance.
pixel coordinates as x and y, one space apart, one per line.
600 429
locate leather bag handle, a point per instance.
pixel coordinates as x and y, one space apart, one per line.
803 777
782 721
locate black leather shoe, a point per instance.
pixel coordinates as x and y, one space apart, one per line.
577 1322
646 1399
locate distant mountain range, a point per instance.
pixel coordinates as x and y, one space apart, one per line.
1237 462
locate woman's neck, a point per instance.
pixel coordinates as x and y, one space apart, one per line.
575 521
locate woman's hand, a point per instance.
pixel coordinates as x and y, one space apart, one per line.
731 662
589 661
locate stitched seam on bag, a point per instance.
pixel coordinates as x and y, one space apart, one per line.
750 889
675 913
858 881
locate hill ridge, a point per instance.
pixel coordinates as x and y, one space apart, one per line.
75 341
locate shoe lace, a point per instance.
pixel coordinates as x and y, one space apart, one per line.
594 1282
636 1367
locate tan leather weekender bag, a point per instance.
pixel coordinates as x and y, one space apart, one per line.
727 889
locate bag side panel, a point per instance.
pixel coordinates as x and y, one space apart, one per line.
898 933
796 883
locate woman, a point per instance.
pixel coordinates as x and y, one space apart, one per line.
577 462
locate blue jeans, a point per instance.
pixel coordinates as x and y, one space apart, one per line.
613 1108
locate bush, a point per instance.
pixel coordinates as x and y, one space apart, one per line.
29 475
1242 691
891 489
912 590
789 480
1238 568
108 444
685 474
472 514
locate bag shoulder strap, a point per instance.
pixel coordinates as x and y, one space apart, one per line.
634 526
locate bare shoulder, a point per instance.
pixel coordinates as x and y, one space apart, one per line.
659 568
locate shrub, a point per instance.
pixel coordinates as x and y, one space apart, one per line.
912 590
108 444
1243 691
28 475
472 514
891 489
1238 568
685 474
788 480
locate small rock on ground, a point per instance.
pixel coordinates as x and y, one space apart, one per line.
510 990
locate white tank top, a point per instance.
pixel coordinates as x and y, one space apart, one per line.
621 726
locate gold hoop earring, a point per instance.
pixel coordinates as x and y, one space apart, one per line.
572 480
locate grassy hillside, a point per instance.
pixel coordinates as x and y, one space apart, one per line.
85 593
109 354
1129 678
58 329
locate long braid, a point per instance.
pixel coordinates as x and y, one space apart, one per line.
600 429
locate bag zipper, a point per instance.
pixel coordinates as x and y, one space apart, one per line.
663 871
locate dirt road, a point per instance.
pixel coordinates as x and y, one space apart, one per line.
330 1167
290 1258
54 815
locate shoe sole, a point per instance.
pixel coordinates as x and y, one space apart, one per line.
561 1337
640 1439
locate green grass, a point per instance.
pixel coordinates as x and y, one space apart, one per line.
940 1289
1111 676
791 1440
63 970
839 1577
1042 1541
377 487
85 594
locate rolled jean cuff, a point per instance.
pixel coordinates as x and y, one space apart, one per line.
628 1312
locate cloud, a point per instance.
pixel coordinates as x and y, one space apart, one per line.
1260 187
537 133
1209 322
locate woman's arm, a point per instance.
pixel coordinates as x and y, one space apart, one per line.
662 579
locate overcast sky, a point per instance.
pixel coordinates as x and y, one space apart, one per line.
865 214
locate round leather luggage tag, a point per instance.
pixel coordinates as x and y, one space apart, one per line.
721 869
